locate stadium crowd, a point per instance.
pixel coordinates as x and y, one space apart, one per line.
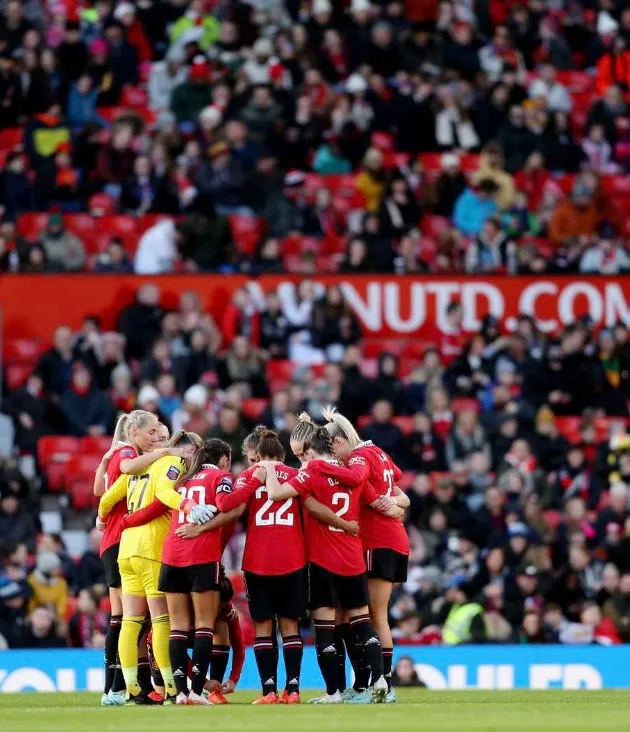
285 136
310 118
515 450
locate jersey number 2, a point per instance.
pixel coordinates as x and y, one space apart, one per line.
265 517
344 500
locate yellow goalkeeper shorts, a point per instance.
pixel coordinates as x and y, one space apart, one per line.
140 576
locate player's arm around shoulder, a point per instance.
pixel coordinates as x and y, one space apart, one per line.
166 471
112 496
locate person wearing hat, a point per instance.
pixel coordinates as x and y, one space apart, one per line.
523 591
194 94
64 250
72 54
125 14
450 185
223 182
575 216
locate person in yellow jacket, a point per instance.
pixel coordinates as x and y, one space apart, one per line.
491 167
139 558
465 620
371 180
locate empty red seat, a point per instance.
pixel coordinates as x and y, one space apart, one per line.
434 226
432 162
81 492
96 445
22 350
16 374
383 141
10 137
31 225
133 96
253 408
53 454
576 81
569 427
247 231
280 373
80 223
462 404
343 184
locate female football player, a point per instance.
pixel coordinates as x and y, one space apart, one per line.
337 577
136 436
385 541
139 560
191 569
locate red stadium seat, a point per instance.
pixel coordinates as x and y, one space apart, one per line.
81 492
280 373
10 137
31 225
462 404
16 374
247 232
53 454
383 141
97 445
576 81
253 408
133 96
22 350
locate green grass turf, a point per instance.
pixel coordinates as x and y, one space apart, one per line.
417 710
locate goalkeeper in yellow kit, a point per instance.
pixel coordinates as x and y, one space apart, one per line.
139 559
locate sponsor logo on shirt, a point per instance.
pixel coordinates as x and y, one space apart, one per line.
358 460
302 476
173 473
126 453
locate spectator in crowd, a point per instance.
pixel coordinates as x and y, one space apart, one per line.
474 207
86 409
450 184
49 588
40 630
64 251
88 625
90 572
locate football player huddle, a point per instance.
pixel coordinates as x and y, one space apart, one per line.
327 538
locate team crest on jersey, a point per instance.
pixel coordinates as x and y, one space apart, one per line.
173 473
226 485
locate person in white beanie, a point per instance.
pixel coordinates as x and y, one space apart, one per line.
192 415
148 398
210 118
257 68
606 24
321 8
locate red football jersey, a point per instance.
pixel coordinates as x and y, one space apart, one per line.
113 530
274 542
377 530
202 488
329 547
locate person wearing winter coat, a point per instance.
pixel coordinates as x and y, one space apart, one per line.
474 207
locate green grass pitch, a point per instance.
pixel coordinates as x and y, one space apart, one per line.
417 710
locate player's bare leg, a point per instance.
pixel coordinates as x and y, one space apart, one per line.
114 692
206 608
267 662
379 592
368 638
292 649
324 623
179 613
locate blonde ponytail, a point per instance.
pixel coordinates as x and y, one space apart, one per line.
120 431
339 426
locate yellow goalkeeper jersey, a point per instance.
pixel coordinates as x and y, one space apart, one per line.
157 481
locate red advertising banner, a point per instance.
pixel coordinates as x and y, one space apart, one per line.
34 305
